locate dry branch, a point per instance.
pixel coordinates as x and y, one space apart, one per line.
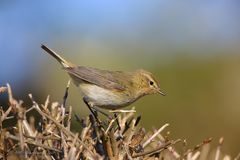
51 136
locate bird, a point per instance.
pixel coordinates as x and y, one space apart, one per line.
107 89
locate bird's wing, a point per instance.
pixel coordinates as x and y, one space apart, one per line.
102 78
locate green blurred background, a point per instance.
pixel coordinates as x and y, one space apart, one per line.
192 47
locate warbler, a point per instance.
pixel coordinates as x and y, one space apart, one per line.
109 89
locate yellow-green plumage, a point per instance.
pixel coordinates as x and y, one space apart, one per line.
109 89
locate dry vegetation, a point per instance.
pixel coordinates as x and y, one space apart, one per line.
122 137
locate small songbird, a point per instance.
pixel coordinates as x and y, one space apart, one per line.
109 89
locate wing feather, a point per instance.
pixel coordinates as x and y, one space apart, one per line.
103 78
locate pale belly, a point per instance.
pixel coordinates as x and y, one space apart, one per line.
104 98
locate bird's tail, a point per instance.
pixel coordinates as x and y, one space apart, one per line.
61 60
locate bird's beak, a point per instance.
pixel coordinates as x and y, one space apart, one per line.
161 92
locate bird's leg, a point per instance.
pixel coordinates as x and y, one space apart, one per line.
90 108
103 113
115 115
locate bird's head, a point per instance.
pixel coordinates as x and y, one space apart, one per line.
147 83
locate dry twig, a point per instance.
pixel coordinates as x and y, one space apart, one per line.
56 140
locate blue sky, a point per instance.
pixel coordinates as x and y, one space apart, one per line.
159 24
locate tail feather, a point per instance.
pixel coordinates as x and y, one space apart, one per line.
61 60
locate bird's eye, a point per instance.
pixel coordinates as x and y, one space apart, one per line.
151 83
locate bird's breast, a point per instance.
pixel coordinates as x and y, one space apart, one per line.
103 97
